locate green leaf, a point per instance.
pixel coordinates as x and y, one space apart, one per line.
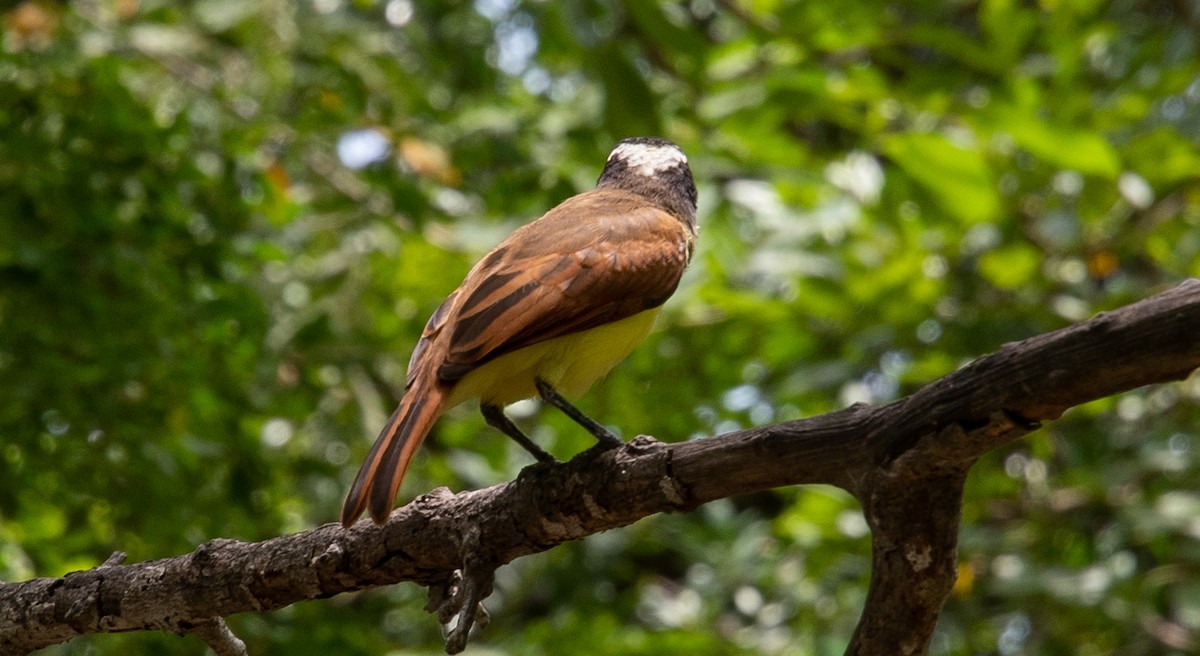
958 177
1064 147
1010 267
1163 157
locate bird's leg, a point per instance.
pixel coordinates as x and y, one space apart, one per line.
604 437
495 417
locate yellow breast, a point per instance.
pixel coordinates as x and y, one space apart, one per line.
570 363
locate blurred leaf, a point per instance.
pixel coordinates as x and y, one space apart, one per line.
1059 145
958 177
1010 267
205 311
628 101
1163 157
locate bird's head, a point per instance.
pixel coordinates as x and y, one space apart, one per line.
654 168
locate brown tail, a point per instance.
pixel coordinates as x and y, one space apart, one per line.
379 477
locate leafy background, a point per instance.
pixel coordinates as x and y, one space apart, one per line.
222 224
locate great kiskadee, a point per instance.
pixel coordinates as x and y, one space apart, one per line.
547 312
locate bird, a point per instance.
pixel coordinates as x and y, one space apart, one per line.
546 313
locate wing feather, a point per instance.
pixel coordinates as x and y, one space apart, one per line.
560 275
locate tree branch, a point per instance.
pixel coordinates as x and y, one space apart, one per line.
904 461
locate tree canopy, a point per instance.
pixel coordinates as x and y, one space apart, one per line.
223 224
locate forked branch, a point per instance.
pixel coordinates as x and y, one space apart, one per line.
905 461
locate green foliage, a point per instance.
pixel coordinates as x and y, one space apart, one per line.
205 314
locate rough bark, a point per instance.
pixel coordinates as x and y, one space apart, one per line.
905 461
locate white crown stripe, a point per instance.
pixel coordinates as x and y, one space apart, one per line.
648 159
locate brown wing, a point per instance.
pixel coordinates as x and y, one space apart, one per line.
597 258
433 328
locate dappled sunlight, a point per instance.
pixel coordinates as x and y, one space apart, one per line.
225 224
